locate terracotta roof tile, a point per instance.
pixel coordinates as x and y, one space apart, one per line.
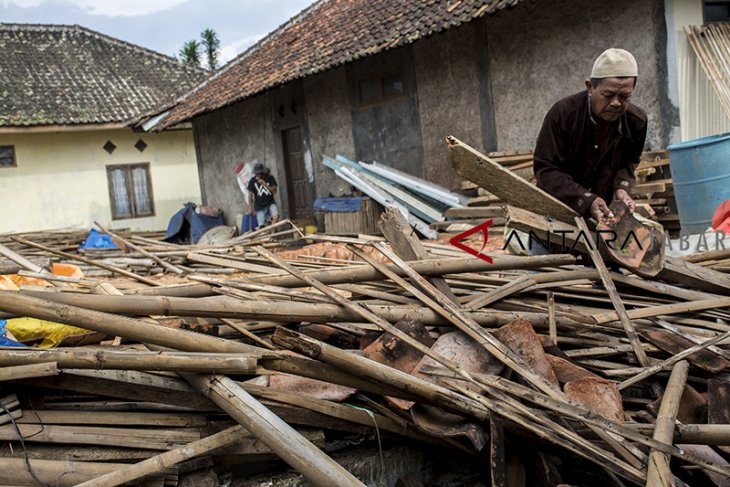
327 34
59 74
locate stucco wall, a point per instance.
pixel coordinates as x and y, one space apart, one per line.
241 132
452 94
60 180
543 51
330 128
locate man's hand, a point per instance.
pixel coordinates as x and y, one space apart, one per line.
600 211
622 195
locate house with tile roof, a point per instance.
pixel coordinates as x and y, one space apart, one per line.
388 80
68 156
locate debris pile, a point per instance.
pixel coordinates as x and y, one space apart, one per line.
555 368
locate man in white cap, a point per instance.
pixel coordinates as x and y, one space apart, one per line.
590 142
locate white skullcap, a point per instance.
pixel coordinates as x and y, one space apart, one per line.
615 63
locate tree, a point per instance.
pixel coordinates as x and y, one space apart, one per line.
190 53
211 44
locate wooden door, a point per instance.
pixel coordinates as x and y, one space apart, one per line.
298 186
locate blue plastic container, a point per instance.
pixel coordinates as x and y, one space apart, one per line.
248 223
701 176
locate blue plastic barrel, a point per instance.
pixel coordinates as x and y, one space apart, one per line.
701 176
248 223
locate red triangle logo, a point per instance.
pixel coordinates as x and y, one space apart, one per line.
484 227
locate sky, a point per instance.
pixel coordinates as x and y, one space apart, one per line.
162 25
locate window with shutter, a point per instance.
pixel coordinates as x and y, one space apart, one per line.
130 191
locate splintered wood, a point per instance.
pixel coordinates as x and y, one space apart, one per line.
223 357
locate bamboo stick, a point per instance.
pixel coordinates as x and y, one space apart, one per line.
649 371
364 313
284 440
46 368
142 251
613 293
14 471
167 459
86 261
115 325
658 472
575 411
378 373
281 311
83 358
360 273
691 434
665 309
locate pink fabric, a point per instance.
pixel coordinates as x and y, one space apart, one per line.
721 219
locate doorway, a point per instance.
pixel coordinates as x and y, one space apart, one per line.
298 186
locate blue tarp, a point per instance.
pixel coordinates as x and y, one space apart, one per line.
5 341
97 240
338 205
187 225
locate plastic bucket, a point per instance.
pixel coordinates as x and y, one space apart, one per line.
701 177
248 223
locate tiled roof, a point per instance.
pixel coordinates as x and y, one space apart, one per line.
68 75
327 34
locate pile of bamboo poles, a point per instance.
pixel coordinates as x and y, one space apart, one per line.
557 369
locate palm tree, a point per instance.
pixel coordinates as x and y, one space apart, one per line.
210 43
190 53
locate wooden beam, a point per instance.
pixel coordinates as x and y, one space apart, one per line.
407 246
492 176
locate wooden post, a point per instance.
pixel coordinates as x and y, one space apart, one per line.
478 168
658 472
402 238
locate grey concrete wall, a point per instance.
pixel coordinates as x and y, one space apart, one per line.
387 132
453 94
330 128
240 132
540 52
288 108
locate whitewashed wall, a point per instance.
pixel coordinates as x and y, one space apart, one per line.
60 180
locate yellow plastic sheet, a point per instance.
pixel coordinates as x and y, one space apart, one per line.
26 329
